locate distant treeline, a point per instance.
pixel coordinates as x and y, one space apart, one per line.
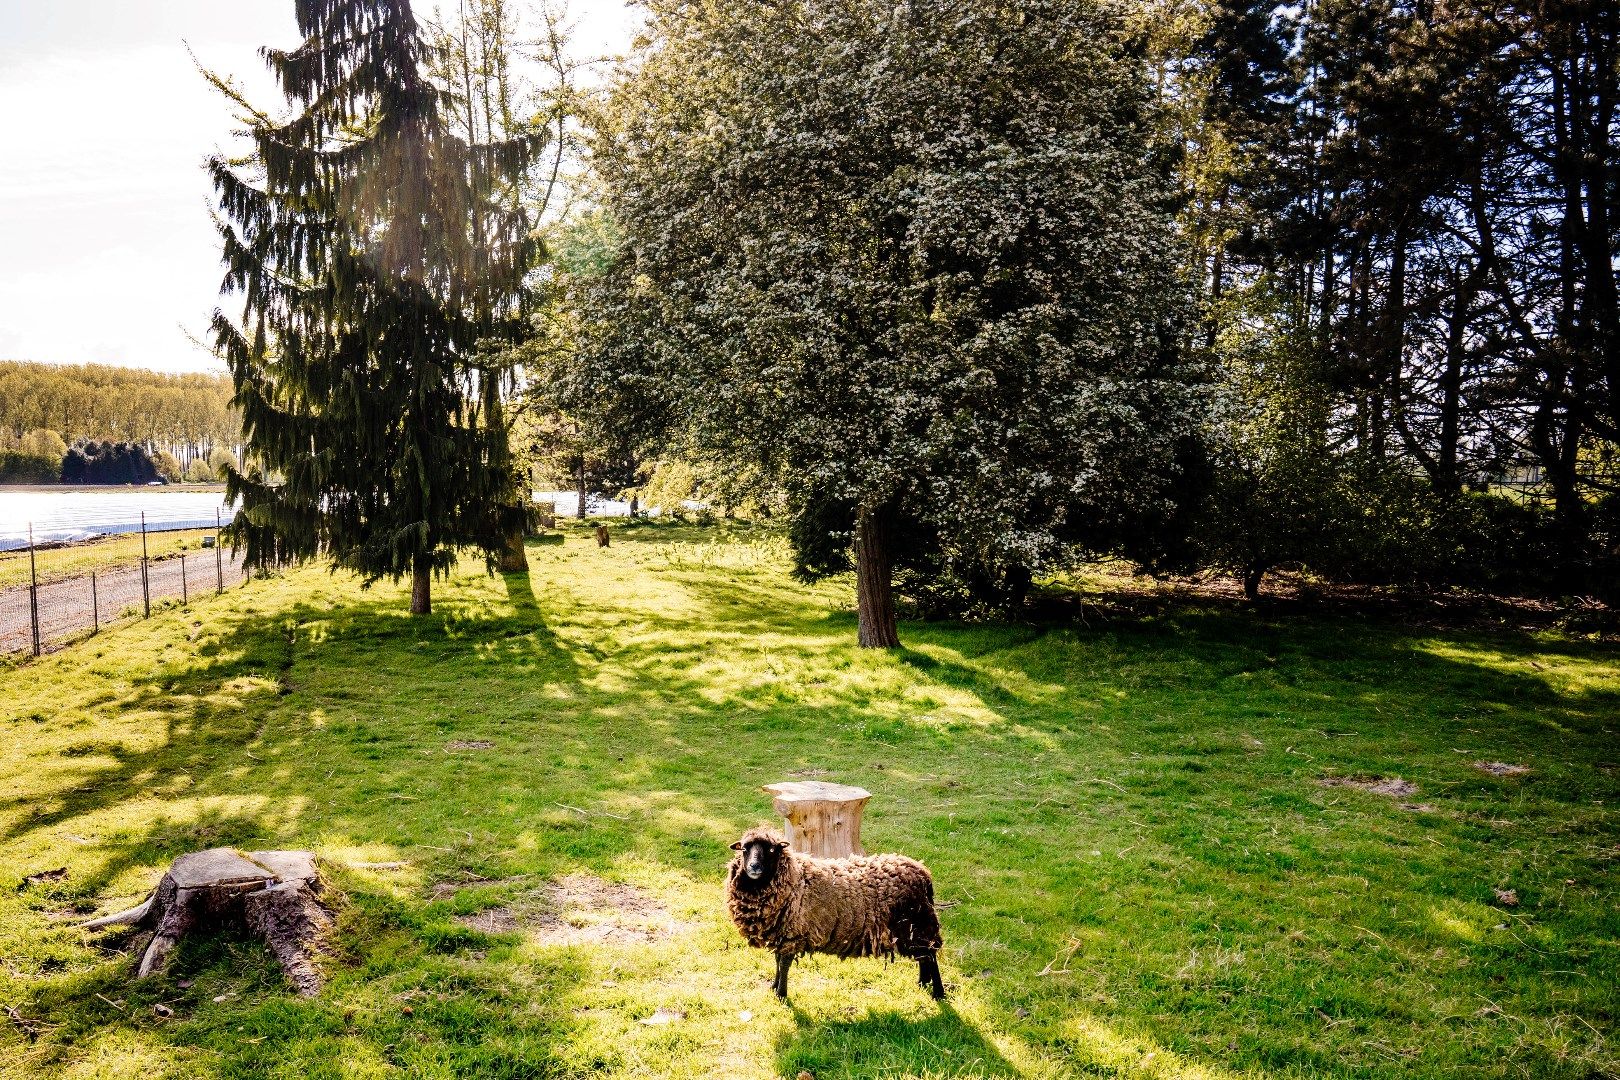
186 415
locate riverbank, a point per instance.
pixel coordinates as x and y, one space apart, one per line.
60 489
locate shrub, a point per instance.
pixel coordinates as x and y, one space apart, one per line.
108 463
167 466
42 442
19 467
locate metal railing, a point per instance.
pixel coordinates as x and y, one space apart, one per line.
42 615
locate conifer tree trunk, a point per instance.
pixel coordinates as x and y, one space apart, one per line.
874 585
421 588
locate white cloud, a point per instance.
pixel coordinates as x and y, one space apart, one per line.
107 252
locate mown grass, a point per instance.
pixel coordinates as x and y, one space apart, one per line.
1149 879
55 564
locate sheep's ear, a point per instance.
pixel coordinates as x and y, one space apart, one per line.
737 846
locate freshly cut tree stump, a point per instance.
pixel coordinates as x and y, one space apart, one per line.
822 819
272 892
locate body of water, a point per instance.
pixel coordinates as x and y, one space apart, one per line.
80 514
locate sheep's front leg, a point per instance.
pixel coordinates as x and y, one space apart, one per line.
783 962
928 975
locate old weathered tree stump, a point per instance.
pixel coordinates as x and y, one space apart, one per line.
602 538
272 893
821 819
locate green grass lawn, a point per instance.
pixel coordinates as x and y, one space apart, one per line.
1146 877
54 564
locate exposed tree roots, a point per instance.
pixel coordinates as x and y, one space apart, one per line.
273 893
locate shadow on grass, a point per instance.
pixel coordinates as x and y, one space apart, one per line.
890 1043
609 745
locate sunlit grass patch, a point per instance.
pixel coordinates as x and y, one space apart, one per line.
1145 875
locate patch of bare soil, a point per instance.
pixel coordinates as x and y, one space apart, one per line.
469 744
1124 595
579 909
1376 785
496 920
1501 768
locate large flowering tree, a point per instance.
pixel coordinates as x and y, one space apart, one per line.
914 257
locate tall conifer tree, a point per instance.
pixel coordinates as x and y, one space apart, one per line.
371 254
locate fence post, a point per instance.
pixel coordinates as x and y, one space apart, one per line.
219 560
146 590
33 589
185 594
95 605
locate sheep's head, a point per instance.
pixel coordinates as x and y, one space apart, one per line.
759 852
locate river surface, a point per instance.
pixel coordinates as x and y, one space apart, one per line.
79 514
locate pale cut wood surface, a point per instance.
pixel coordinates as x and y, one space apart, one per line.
821 819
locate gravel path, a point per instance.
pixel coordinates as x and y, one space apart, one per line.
68 608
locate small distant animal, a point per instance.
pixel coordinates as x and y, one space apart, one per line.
863 905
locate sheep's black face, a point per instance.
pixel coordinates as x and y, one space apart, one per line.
759 859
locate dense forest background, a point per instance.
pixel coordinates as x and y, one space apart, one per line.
1402 219
96 423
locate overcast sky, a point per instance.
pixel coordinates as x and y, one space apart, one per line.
107 253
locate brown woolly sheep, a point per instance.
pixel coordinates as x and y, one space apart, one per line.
863 905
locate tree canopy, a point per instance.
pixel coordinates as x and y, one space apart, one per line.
917 258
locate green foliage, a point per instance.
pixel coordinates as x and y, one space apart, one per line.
1275 489
168 467
374 249
200 472
1434 199
19 467
80 402
42 442
108 463
909 261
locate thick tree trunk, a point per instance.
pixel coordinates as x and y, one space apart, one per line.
421 588
1447 478
518 520
874 584
1251 581
514 560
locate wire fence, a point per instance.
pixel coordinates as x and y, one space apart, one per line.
37 618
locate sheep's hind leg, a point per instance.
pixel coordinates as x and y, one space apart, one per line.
928 975
783 962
